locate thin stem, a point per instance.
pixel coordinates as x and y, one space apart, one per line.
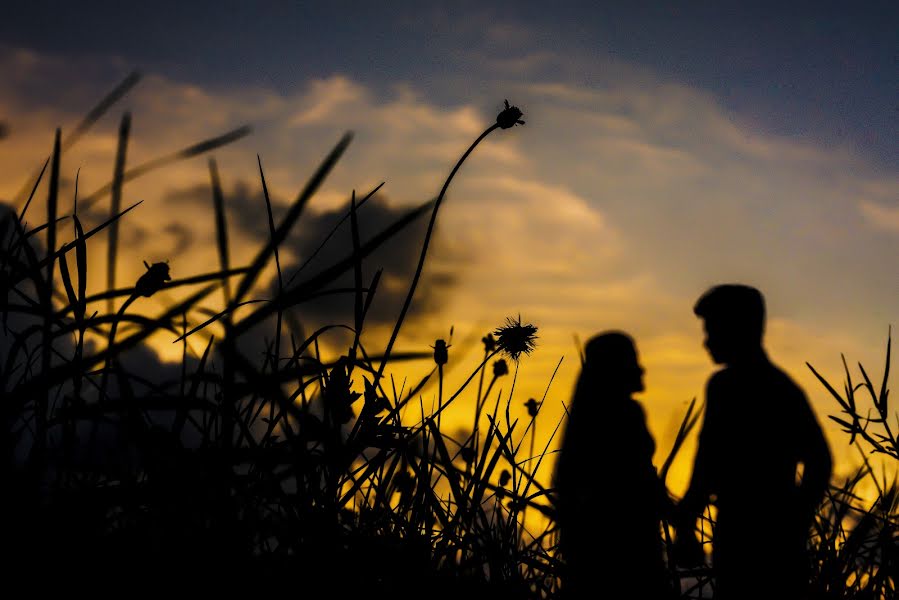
424 252
439 393
111 341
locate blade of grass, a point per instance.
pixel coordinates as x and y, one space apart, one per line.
303 290
115 206
276 348
67 247
687 424
221 227
357 277
219 315
101 108
290 219
37 181
331 233
92 117
163 161
41 404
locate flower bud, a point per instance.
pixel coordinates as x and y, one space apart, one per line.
500 368
440 352
509 117
153 280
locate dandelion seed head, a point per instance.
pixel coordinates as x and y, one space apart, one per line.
515 338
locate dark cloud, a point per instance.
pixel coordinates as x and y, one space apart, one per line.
182 238
398 257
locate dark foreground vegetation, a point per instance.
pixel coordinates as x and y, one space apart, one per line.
291 470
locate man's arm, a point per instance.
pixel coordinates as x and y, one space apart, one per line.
816 458
702 480
699 490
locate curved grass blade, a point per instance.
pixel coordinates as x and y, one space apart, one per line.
303 290
290 219
88 121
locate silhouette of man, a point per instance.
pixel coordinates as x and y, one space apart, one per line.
762 458
610 499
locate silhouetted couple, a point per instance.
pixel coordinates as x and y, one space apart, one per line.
758 434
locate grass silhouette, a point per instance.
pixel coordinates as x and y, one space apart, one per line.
293 471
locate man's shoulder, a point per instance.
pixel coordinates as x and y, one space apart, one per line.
785 382
768 376
723 377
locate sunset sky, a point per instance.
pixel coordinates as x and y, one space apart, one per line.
667 148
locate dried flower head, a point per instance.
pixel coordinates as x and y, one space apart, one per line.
467 454
489 343
509 117
516 339
533 406
504 478
152 281
500 368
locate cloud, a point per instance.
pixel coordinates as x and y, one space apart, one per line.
247 216
885 218
326 99
182 237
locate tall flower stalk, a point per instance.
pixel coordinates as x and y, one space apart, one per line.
507 118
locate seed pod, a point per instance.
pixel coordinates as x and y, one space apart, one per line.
500 368
509 117
153 280
440 352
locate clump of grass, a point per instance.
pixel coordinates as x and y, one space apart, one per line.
261 468
854 543
875 431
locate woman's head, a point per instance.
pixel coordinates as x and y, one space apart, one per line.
610 359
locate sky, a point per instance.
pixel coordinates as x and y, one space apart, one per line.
667 148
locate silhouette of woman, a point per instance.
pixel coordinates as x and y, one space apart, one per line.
610 498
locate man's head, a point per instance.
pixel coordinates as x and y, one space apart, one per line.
734 317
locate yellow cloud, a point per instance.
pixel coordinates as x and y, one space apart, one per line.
879 216
325 99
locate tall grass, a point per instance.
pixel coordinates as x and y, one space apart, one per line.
289 470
